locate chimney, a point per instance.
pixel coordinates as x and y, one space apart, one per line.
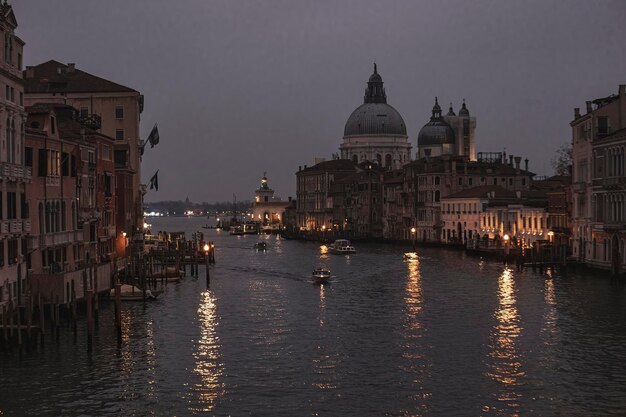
526 164
71 67
511 160
503 157
518 159
289 199
589 109
299 167
576 112
30 72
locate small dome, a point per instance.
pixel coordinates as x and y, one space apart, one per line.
437 131
375 119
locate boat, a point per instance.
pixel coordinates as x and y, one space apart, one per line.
320 275
411 256
131 293
260 246
341 247
169 274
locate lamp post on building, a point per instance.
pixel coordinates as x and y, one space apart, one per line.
206 256
413 236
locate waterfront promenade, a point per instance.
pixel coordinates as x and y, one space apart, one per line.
448 335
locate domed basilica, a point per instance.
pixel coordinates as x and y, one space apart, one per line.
375 131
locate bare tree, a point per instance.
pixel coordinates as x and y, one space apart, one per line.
562 160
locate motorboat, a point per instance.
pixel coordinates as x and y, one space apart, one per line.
320 275
411 256
131 293
260 246
341 247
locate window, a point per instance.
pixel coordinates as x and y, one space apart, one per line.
119 112
52 125
603 125
119 134
1 253
21 98
106 152
28 157
7 92
84 112
11 205
12 258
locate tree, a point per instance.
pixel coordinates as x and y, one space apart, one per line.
562 160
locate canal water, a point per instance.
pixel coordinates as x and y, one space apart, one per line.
445 335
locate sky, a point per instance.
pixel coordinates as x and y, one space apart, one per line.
239 88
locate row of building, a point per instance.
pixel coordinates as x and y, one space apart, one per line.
70 190
451 194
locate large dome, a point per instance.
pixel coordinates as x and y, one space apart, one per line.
375 116
375 119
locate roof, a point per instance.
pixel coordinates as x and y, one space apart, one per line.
375 119
53 76
332 165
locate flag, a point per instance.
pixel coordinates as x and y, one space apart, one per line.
154 136
154 181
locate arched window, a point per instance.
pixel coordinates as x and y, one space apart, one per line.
12 156
379 159
63 217
8 138
388 160
437 195
74 219
437 180
41 218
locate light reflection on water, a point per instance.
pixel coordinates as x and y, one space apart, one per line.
505 365
208 365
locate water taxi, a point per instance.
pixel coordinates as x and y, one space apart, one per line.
341 247
320 275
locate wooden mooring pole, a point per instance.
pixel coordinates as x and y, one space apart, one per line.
89 297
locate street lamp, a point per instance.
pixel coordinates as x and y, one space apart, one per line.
506 246
206 256
414 236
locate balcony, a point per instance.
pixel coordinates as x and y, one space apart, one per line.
15 226
614 227
53 180
59 238
613 183
14 172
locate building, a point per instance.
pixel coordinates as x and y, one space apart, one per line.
461 212
266 208
428 180
315 194
14 175
71 200
375 131
118 109
448 135
598 185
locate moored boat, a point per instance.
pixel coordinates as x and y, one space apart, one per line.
341 247
260 246
320 275
131 293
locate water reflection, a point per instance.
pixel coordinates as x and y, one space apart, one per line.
208 364
504 365
326 359
414 350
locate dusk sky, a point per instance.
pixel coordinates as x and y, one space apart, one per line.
243 87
